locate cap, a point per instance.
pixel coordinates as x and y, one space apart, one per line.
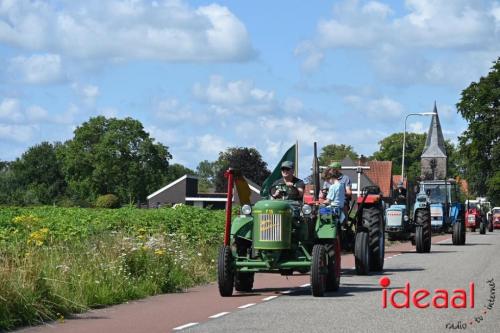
335 165
287 164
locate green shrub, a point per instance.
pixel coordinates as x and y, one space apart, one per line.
108 201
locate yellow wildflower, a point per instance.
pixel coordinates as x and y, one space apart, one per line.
38 237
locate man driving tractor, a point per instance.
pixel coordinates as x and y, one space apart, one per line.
288 187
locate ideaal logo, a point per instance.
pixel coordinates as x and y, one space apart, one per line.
423 298
439 299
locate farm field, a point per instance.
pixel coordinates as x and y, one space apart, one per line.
57 261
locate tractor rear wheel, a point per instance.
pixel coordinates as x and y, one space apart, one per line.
225 271
372 218
243 281
482 228
423 231
362 253
462 233
318 270
333 277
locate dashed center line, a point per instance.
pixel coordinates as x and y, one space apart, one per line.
218 315
269 298
178 328
246 306
286 292
305 285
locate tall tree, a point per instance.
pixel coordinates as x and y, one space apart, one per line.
391 149
207 172
248 160
113 156
335 152
38 175
480 144
176 171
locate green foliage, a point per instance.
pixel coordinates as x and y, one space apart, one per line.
34 178
207 172
333 152
67 260
480 144
248 160
176 171
113 156
391 149
108 201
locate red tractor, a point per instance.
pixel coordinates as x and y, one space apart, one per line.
475 215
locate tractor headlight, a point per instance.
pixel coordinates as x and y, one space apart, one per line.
306 209
406 218
246 209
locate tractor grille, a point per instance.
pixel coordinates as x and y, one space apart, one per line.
270 227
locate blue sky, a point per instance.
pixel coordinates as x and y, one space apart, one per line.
203 76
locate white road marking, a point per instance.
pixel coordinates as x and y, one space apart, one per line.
305 285
246 306
269 298
286 292
178 328
218 315
353 267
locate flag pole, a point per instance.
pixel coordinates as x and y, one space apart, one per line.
296 158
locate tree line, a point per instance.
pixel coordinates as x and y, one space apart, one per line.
117 156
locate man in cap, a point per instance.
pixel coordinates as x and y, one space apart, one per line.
334 170
288 187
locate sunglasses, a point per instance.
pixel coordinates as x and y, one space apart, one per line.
285 169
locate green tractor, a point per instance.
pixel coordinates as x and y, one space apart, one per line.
287 237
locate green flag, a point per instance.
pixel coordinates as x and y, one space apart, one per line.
290 155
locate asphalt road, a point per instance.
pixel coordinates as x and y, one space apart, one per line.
280 304
357 306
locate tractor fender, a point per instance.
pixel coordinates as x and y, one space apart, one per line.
242 227
326 227
370 199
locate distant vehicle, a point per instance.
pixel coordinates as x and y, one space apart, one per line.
495 217
476 214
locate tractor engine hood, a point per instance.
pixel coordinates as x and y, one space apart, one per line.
272 227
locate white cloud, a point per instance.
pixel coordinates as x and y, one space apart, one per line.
417 127
17 133
173 111
37 69
109 112
375 108
36 113
211 144
293 105
10 110
396 45
167 30
231 93
88 93
239 96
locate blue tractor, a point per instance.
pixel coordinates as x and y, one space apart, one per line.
447 213
400 224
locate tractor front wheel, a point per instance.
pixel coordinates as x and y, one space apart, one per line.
482 228
458 237
362 253
319 269
375 222
333 277
423 231
243 281
225 271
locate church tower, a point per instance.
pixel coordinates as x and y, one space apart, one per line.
434 158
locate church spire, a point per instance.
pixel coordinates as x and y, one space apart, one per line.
434 143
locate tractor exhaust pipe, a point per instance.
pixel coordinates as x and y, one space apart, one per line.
229 174
316 172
